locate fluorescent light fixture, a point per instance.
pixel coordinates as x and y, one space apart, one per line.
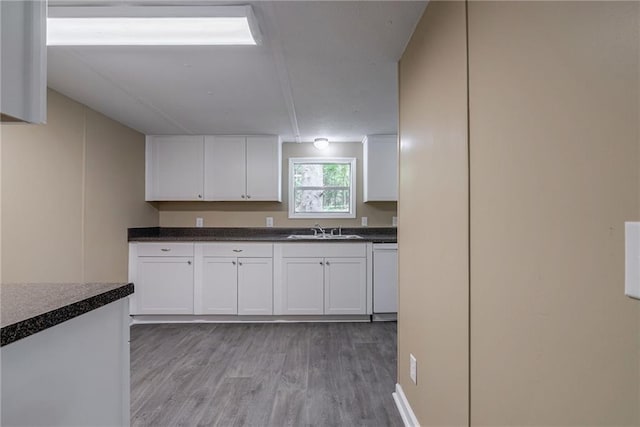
321 143
151 26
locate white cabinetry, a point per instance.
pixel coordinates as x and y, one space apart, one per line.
236 279
174 168
303 286
214 168
323 278
24 61
380 168
164 279
243 168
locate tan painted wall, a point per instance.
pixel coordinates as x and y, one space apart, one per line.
554 174
253 214
70 190
433 216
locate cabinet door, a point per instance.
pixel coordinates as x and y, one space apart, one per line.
164 285
219 286
255 286
380 168
175 168
264 168
303 286
345 286
225 168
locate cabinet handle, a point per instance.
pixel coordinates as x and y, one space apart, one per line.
327 263
248 196
199 196
237 250
239 263
233 262
189 262
242 196
165 249
321 263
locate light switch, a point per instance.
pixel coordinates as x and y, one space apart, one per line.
632 259
269 221
199 222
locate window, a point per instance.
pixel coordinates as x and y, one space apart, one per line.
322 188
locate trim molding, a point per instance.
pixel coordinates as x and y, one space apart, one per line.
408 417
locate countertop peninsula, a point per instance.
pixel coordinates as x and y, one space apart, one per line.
28 308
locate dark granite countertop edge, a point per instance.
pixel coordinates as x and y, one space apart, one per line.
17 331
248 234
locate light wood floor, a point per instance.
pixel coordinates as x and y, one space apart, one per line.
290 374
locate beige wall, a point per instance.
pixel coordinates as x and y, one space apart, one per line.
554 173
433 216
70 190
253 214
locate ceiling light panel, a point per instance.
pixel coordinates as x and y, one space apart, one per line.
152 26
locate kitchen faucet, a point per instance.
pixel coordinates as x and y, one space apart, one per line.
317 228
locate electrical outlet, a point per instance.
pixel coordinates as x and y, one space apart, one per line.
394 221
365 221
269 221
199 222
413 369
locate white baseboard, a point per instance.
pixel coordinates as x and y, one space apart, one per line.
138 319
408 417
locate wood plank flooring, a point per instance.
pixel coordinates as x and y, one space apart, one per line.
284 374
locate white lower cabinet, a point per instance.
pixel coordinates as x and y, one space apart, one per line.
219 286
345 286
164 285
303 286
333 285
255 286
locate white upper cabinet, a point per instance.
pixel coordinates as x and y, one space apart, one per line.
226 170
214 168
243 168
380 168
24 61
174 168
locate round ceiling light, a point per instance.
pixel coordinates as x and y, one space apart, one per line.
321 143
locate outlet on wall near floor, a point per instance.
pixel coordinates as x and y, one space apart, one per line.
199 222
269 221
413 369
365 221
394 221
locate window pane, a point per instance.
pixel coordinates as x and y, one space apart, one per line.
336 174
322 200
308 175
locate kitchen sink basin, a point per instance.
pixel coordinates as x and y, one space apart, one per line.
323 237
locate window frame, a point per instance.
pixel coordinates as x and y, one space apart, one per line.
321 215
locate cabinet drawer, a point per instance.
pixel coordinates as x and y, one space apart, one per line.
165 249
257 250
304 250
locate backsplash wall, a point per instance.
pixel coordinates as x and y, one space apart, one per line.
253 214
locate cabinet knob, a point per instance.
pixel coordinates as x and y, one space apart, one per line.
189 262
239 263
321 263
248 196
233 262
165 249
242 196
199 196
327 263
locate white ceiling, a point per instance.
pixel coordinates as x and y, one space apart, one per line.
325 69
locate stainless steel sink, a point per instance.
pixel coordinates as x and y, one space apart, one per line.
323 237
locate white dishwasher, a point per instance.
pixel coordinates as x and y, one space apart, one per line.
385 278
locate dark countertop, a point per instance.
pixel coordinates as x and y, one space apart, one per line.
212 234
27 308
